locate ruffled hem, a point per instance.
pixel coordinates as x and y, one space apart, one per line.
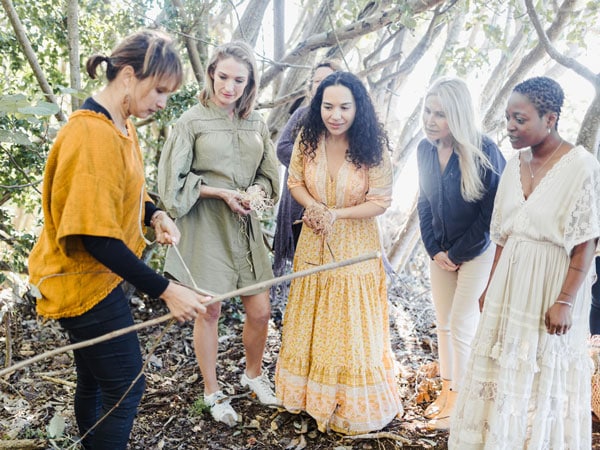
369 403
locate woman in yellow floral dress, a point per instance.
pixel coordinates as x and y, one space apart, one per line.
335 361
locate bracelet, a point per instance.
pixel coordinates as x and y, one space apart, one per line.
577 269
562 302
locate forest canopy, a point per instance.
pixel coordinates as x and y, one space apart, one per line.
396 48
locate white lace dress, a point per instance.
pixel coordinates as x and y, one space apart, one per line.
524 388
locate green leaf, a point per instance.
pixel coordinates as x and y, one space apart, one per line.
12 103
14 137
56 427
41 109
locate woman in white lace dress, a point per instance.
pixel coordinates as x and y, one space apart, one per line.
528 379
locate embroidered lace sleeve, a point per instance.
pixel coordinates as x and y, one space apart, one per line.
583 220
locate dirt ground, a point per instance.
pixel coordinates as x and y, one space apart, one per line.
37 400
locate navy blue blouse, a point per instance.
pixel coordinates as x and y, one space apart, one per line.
447 221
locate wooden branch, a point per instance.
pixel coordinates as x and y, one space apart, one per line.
381 435
282 100
23 444
566 61
263 285
355 29
58 381
31 56
491 118
190 45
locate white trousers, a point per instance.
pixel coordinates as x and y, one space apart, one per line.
456 300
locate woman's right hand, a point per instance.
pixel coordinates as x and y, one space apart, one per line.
184 303
442 260
319 218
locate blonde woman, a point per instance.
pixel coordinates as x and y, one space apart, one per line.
459 170
219 148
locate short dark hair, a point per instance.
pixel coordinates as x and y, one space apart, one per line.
544 93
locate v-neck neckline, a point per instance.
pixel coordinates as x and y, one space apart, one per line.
330 177
543 179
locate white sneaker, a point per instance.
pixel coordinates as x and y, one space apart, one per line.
220 408
262 387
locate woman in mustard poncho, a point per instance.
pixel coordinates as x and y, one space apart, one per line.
95 205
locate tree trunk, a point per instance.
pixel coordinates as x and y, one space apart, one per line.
404 243
494 118
31 57
297 77
190 43
589 131
251 22
73 34
278 35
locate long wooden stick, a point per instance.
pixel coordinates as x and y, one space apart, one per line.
218 298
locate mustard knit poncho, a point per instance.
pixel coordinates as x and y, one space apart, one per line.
93 185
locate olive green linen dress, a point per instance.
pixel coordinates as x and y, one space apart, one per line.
223 250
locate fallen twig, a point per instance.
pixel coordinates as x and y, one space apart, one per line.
58 381
23 444
381 435
263 285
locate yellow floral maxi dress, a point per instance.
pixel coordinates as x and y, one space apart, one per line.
335 361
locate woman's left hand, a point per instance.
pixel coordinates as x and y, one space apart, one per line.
165 229
558 319
320 218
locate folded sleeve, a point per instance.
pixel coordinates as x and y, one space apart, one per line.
381 182
178 186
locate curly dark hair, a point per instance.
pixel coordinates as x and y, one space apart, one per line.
366 135
544 93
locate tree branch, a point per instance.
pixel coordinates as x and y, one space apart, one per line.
31 57
490 121
215 299
282 100
190 44
355 29
566 61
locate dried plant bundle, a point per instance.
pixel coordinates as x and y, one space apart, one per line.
256 199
